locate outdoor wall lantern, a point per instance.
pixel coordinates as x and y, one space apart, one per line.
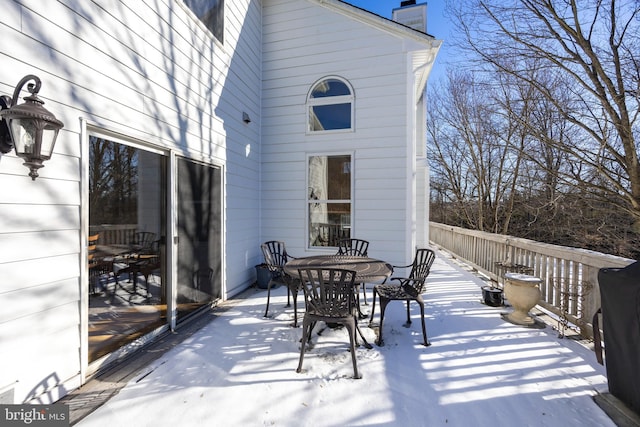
29 127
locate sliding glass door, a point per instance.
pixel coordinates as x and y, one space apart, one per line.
199 256
126 245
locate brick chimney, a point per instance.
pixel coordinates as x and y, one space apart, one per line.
411 14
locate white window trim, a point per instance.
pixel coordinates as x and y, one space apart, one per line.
330 100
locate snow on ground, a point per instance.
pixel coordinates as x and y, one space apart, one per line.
239 370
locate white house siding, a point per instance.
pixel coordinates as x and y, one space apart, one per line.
422 176
144 69
303 42
241 93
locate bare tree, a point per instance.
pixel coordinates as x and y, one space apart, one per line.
473 169
112 181
533 122
593 48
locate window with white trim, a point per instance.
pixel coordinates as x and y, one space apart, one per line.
329 184
330 106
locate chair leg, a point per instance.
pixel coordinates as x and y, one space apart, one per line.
266 311
295 308
373 305
383 307
288 295
406 325
364 340
351 327
426 343
306 333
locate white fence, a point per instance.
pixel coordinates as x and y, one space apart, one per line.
569 276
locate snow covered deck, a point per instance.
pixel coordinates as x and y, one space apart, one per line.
239 370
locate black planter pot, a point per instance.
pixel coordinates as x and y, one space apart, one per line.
492 296
263 275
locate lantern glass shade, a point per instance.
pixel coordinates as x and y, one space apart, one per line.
29 142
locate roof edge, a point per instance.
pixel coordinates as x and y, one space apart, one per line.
371 18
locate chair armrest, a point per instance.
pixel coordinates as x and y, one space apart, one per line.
400 279
274 269
401 266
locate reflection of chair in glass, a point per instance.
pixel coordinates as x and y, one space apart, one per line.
97 265
337 233
147 266
355 247
329 298
275 257
145 242
144 265
406 289
329 234
145 259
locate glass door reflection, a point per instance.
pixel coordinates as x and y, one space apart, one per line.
127 244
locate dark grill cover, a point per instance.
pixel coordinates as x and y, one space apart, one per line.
620 296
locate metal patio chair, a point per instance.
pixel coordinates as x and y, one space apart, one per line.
329 298
275 257
355 247
405 289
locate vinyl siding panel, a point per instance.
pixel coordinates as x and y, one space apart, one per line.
48 350
241 93
150 71
302 46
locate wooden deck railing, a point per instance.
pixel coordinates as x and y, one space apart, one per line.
114 234
569 276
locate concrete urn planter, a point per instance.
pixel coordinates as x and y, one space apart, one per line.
523 293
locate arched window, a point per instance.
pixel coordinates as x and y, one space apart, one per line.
330 105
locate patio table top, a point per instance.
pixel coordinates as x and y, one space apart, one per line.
367 269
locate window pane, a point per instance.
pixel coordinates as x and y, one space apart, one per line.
330 117
211 13
330 87
329 179
328 223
